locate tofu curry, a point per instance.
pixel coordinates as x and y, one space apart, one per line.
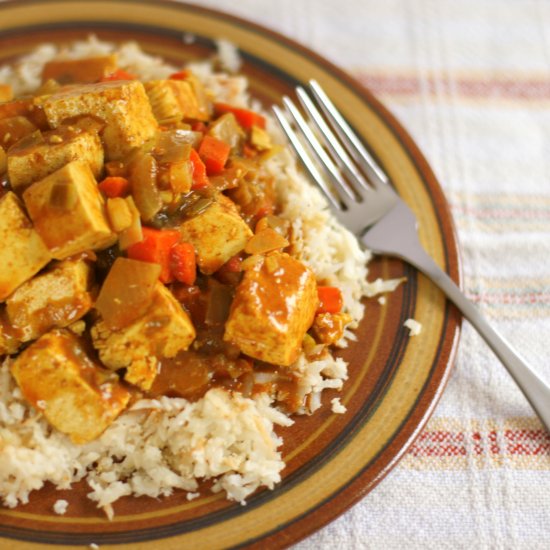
142 252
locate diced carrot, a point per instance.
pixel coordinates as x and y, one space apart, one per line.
230 272
180 75
245 117
119 74
198 126
156 248
233 265
214 153
183 263
200 179
114 186
330 299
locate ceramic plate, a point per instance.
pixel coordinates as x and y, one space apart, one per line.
395 381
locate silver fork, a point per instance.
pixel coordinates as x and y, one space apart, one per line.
362 199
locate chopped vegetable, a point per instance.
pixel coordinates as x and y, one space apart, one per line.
134 233
114 186
260 139
200 179
175 145
245 117
233 265
274 222
144 186
198 126
214 153
156 248
119 74
180 75
330 299
119 213
227 129
264 241
127 292
183 263
179 177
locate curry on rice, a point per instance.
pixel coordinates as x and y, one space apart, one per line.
170 286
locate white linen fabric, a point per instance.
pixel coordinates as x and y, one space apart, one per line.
470 81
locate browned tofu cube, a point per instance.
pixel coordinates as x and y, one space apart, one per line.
23 252
68 211
174 100
13 129
164 330
54 299
31 160
217 233
89 69
76 396
273 308
123 106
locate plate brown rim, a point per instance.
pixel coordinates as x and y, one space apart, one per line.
430 394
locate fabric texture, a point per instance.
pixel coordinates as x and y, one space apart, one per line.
470 81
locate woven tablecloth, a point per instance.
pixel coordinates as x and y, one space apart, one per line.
470 81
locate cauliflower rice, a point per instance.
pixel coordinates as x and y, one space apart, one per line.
169 443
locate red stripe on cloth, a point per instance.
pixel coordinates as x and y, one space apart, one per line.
507 88
502 213
509 298
521 442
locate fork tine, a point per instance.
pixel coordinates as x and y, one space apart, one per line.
335 175
331 141
305 158
348 136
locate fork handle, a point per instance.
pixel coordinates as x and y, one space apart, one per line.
406 245
534 388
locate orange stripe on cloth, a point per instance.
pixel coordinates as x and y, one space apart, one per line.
519 443
514 87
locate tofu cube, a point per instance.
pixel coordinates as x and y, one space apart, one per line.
174 100
123 106
23 252
76 396
273 308
217 233
89 69
164 330
68 211
54 299
30 161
